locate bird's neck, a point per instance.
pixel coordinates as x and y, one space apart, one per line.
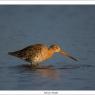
51 52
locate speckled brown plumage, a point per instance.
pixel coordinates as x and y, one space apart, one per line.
38 52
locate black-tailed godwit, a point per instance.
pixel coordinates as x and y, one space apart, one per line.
38 53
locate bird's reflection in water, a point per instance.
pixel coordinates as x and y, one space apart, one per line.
45 71
48 71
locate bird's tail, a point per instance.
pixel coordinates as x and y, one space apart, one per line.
13 53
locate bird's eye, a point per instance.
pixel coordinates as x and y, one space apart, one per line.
56 47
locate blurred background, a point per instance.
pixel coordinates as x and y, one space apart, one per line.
70 26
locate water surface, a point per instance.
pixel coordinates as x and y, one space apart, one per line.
72 27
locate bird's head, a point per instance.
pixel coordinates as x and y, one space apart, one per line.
56 48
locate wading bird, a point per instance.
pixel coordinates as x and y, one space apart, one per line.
38 53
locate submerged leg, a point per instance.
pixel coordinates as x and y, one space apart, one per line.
34 65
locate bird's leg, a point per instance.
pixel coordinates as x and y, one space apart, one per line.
34 65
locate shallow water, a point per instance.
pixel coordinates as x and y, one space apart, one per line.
72 27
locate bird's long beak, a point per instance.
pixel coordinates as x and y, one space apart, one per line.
68 55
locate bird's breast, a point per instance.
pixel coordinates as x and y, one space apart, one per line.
41 56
